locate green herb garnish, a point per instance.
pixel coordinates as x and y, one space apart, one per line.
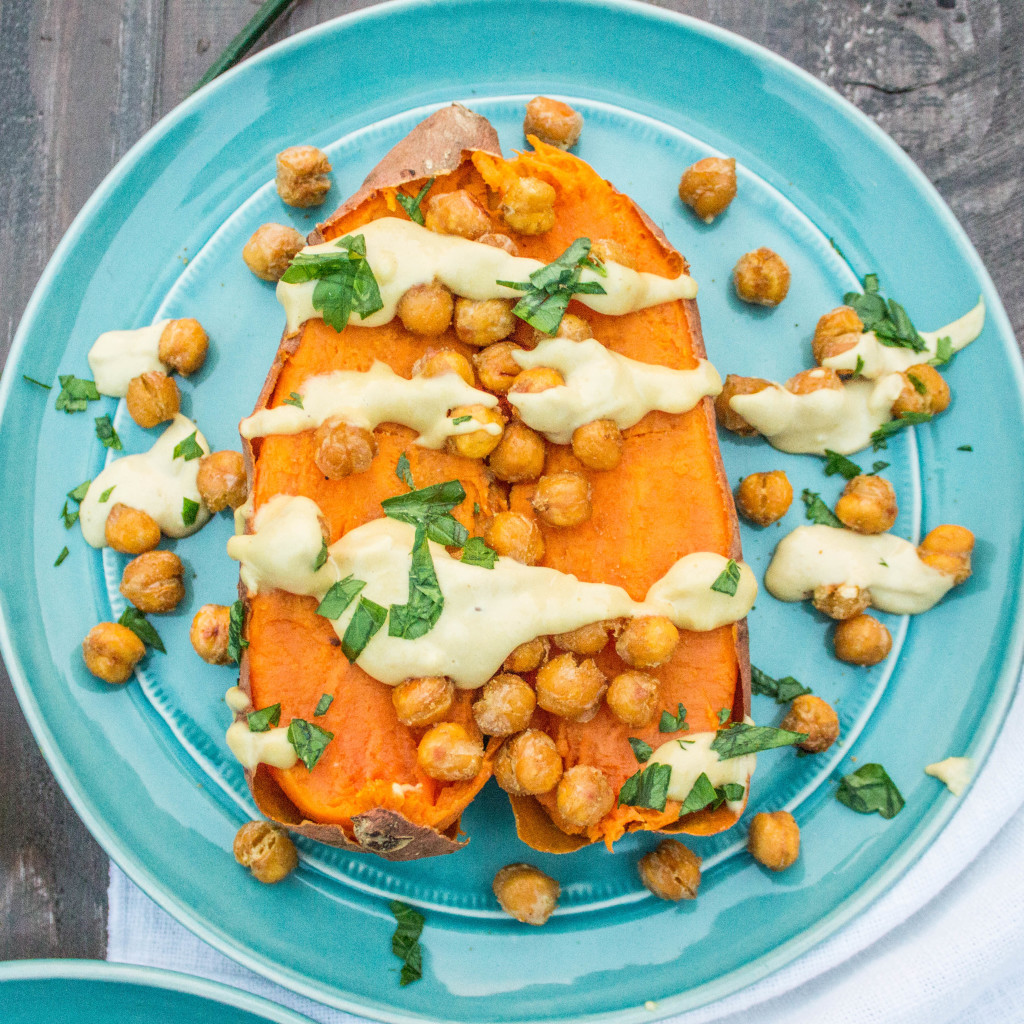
836 463
321 558
107 434
728 579
405 943
262 720
411 204
63 554
648 787
818 512
107 493
965 448
723 715
309 741
366 620
236 623
75 393
420 613
881 436
294 398
339 597
189 510
80 491
142 628
859 366
870 789
458 420
782 690
476 552
888 320
673 723
431 507
189 448
879 466
919 385
32 380
322 705
404 471
704 795
740 739
641 751
69 517
943 351
344 281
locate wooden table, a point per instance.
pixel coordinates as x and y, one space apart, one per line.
81 80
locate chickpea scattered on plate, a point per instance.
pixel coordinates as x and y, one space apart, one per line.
266 851
709 186
271 249
761 277
302 176
817 378
221 480
152 398
111 652
948 549
867 504
553 122
774 839
154 581
130 530
183 345
671 871
840 601
862 640
526 893
815 717
764 498
837 332
727 416
924 391
209 633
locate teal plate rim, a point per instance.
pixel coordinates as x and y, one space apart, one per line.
137 869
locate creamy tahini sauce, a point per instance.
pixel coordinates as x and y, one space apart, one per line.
376 396
253 748
955 772
154 482
879 359
237 699
886 565
840 420
403 254
603 385
117 356
487 612
691 756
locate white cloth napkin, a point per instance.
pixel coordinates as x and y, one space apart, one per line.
945 945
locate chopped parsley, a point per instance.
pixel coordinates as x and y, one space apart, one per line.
858 368
80 491
107 493
107 434
476 552
919 385
189 448
943 352
39 383
723 715
321 558
869 789
673 723
339 597
69 517
365 622
404 471
405 943
142 628
344 281
189 511
728 579
431 507
705 796
879 466
75 393
63 554
641 751
818 512
262 720
294 398
836 463
236 623
309 741
879 439
322 705
459 420
886 318
965 448
648 787
420 613
782 690
411 204
740 739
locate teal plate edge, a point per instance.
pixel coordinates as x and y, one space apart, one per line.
20 542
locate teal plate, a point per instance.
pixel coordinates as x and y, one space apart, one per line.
94 992
146 766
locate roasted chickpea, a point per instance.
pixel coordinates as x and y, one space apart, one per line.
271 249
553 122
633 697
153 582
764 498
183 346
302 176
585 641
526 893
519 455
867 505
514 535
607 250
342 448
862 640
483 322
709 186
477 444
817 718
111 652
924 390
647 641
761 277
837 332
840 600
528 764
571 326
598 444
449 753
266 851
528 206
727 416
948 549
571 690
152 398
221 480
130 530
457 213
584 796
436 362
563 499
536 379
526 657
774 839
499 241
423 700
211 627
671 871
496 367
505 705
426 309
818 378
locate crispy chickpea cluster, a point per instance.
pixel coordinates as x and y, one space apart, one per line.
571 689
840 600
528 656
477 444
528 764
211 627
221 480
553 122
457 213
426 309
519 455
482 322
152 398
563 499
449 753
436 362
862 640
837 332
761 277
671 871
154 582
130 530
271 249
867 505
735 385
764 498
423 700
948 549
183 346
496 366
924 391
535 380
598 444
584 796
709 186
774 840
815 717
526 893
343 448
528 206
817 378
505 705
585 641
633 698
302 176
513 535
266 851
111 652
647 641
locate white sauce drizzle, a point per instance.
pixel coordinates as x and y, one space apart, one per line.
487 612
154 482
691 756
379 395
237 699
253 748
841 420
879 359
886 565
403 254
118 356
603 385
955 772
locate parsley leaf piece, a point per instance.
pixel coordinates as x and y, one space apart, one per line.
321 558
70 518
405 943
728 579
476 552
879 466
262 720
723 715
309 741
32 380
142 628
702 794
870 789
880 437
411 204
740 739
63 554
189 448
431 506
859 366
339 597
943 352
476 508
107 434
641 751
322 705
782 690
236 623
648 787
731 791
919 385
404 471
75 393
673 723
818 512
189 510
368 618
419 615
80 491
965 448
460 419
294 398
105 496
887 319
344 281
836 463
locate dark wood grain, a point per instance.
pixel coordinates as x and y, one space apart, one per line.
81 80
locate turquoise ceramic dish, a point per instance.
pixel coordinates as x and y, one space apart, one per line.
146 766
94 992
